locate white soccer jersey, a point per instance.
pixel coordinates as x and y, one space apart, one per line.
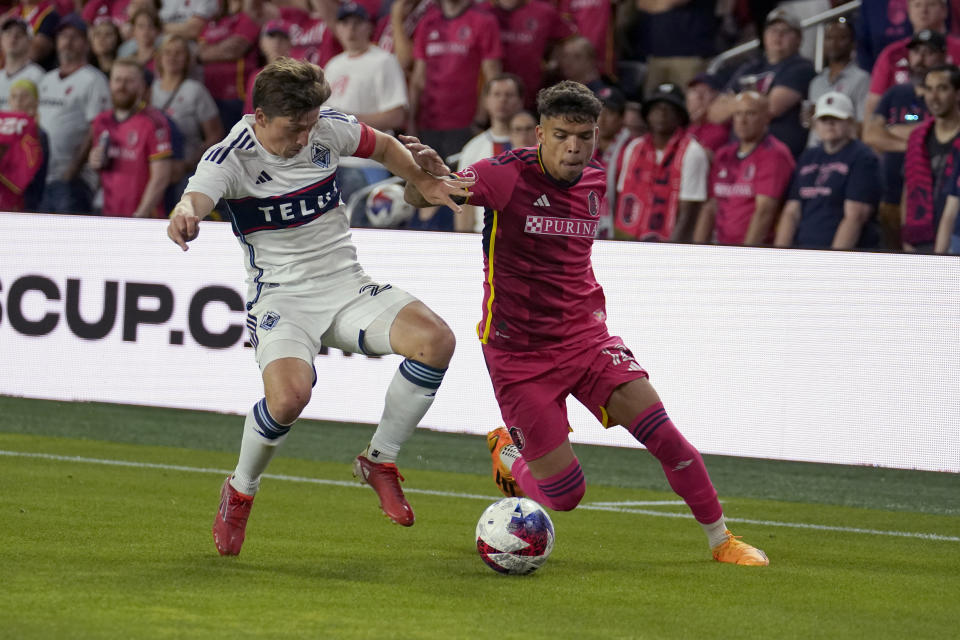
67 106
286 212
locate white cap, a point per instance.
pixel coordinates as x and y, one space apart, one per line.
835 105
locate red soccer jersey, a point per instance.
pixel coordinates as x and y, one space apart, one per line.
21 157
311 39
893 67
539 290
736 182
134 143
592 18
453 49
115 10
227 80
525 34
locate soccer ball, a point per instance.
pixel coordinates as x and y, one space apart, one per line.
386 208
515 536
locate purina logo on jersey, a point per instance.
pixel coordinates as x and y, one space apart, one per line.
320 155
544 225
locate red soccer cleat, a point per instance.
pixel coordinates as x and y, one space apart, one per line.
385 479
230 523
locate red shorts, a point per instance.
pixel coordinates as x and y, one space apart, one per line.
532 387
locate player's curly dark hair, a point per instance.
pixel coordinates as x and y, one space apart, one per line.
569 100
289 88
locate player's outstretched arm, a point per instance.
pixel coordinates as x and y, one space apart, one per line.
185 220
434 190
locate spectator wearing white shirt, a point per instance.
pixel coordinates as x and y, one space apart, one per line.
368 83
15 35
71 96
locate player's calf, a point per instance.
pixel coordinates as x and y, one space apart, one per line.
561 492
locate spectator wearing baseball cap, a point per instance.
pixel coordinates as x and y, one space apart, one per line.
840 73
782 75
892 66
700 94
836 186
663 174
15 37
368 83
40 20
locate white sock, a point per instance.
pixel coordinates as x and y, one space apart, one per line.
716 532
261 437
508 455
409 396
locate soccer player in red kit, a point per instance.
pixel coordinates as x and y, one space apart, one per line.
544 329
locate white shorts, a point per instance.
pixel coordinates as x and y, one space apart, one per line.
352 313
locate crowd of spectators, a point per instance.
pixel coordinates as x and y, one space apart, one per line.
107 106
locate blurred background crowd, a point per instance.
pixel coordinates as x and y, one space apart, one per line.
800 123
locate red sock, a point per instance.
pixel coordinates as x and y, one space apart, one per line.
681 462
560 492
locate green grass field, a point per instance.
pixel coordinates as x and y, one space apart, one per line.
105 515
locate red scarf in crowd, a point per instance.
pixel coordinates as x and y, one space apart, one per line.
649 192
918 226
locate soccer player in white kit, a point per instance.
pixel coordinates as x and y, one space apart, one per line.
276 172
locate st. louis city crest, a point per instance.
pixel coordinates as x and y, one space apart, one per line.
320 155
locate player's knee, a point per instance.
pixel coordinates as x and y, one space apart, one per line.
287 403
437 344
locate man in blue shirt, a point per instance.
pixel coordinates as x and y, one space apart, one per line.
781 74
835 188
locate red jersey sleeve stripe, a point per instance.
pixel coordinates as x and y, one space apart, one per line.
368 141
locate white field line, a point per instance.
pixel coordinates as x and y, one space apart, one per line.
599 506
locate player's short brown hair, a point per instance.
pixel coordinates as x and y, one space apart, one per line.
289 88
568 100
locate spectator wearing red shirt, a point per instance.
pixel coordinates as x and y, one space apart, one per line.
394 31
528 30
21 156
748 180
454 45
311 33
228 53
893 64
592 19
134 163
114 10
701 92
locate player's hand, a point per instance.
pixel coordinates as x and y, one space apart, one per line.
427 157
184 226
442 190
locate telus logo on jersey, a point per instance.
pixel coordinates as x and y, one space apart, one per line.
287 210
544 225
